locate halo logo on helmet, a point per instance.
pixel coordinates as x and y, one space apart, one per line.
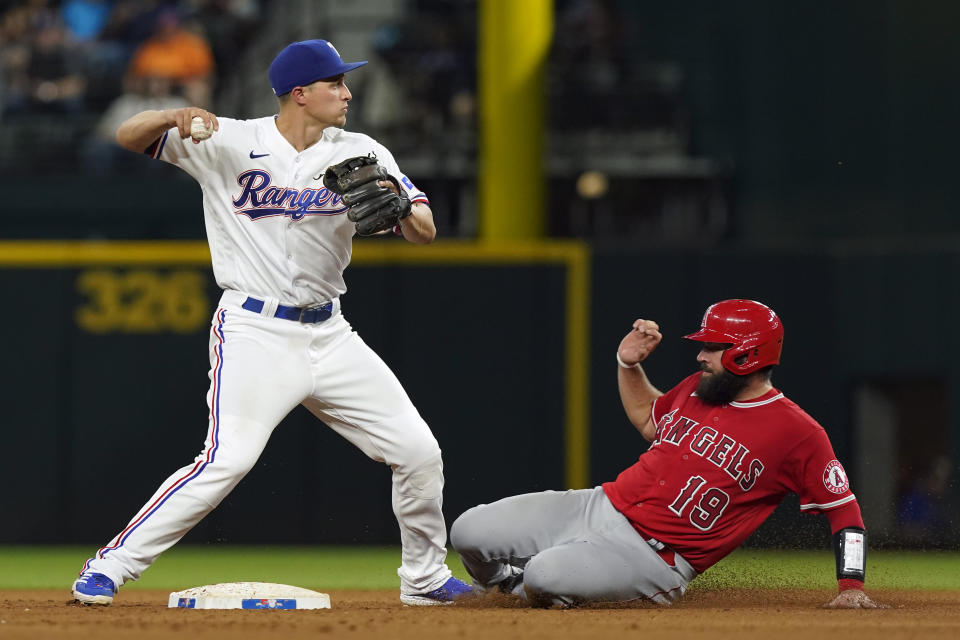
753 330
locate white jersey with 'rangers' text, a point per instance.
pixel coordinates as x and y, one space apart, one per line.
274 230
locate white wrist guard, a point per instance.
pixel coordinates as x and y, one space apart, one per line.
635 365
850 547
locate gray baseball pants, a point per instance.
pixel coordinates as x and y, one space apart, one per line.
564 548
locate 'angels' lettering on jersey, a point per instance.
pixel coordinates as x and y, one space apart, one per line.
267 200
713 474
704 443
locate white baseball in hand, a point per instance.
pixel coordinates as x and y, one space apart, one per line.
198 130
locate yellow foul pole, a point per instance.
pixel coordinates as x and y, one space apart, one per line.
514 41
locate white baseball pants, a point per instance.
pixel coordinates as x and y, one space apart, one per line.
261 367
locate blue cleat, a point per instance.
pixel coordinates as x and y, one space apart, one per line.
94 588
452 589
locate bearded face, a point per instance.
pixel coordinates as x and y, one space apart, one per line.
719 387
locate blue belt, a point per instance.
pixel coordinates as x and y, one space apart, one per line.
308 315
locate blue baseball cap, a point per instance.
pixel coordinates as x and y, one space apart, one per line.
302 63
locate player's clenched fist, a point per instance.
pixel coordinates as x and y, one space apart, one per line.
640 342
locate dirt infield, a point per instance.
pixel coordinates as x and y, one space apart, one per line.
783 615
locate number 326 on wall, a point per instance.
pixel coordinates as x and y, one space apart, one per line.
143 301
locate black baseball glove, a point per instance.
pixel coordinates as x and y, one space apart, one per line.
372 207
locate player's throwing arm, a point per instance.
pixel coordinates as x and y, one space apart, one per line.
142 130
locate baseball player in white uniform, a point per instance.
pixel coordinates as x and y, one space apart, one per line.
280 240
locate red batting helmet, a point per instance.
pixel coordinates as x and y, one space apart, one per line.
753 330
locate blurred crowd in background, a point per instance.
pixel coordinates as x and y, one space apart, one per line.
106 59
72 70
93 63
78 56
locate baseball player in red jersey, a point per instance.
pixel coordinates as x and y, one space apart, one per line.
726 448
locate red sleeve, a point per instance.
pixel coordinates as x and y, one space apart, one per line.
813 472
846 516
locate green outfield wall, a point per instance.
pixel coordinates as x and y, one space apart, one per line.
508 352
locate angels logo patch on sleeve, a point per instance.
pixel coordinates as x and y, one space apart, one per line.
835 478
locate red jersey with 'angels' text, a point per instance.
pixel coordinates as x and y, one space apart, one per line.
713 474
